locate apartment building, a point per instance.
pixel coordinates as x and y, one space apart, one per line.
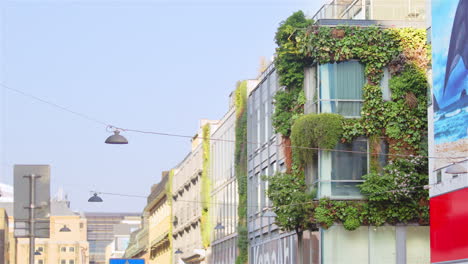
102 229
189 245
160 221
67 243
224 195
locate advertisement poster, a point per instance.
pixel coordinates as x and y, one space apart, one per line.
450 78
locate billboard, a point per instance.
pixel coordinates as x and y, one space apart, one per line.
126 261
450 78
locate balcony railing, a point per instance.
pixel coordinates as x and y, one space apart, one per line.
388 11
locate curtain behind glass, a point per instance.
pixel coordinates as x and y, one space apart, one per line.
342 81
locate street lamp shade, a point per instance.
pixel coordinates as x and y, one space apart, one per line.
116 138
65 229
95 199
219 226
269 213
178 251
456 169
37 253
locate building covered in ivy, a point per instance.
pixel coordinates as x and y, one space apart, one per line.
192 226
224 179
349 124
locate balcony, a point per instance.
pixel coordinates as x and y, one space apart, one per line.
378 10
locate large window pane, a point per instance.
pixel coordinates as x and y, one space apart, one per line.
341 88
340 246
342 170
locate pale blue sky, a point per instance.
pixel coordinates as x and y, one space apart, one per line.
153 64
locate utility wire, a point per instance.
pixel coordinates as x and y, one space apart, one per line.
55 105
408 189
112 127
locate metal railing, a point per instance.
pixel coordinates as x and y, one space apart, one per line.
407 12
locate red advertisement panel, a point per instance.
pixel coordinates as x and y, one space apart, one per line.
449 226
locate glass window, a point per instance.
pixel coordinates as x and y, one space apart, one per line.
63 249
40 261
71 249
341 88
63 261
71 261
341 172
386 93
40 249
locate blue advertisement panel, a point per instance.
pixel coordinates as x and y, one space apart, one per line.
126 261
450 76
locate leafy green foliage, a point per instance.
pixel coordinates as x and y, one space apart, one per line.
308 131
205 222
293 208
401 122
290 65
240 160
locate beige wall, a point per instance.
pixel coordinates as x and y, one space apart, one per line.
62 247
4 237
159 226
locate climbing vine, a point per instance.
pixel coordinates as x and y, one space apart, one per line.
399 123
240 160
205 222
169 201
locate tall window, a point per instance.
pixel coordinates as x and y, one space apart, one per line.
341 88
342 170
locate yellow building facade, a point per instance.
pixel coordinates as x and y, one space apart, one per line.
67 243
4 237
159 211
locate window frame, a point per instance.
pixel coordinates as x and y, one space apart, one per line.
318 181
318 101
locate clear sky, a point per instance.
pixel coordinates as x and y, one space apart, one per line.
159 65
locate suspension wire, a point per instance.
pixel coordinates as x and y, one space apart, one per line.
112 127
394 191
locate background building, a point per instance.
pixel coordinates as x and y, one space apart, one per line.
67 243
6 202
106 228
396 10
187 202
224 190
4 237
265 157
138 245
159 210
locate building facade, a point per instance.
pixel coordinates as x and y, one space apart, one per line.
102 229
62 246
160 222
4 237
187 202
224 190
265 157
138 245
